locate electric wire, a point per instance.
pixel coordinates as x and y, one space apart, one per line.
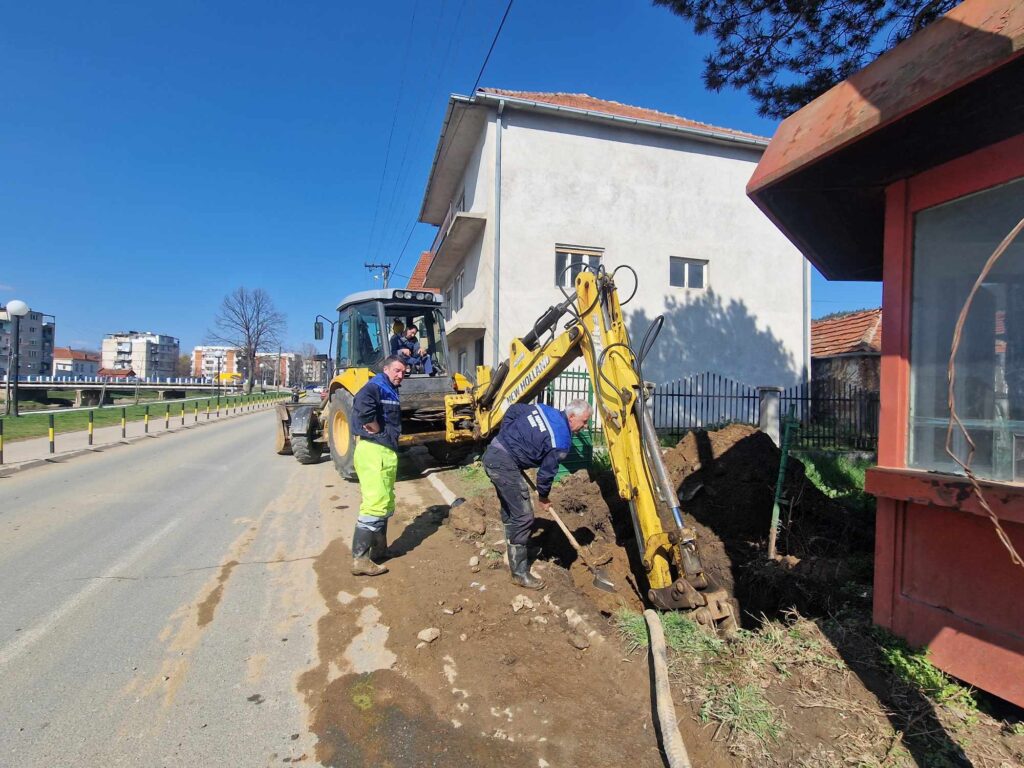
954 418
391 133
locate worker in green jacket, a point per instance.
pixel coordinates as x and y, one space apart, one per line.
377 423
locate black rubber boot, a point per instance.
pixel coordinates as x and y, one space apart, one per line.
379 545
362 565
520 567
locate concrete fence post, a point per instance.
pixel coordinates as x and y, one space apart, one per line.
770 412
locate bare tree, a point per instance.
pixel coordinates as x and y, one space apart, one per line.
248 321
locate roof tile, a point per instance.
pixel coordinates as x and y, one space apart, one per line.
852 333
590 103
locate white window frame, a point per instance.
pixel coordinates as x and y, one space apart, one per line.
689 263
574 255
456 292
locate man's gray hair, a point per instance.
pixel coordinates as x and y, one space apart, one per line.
392 359
578 408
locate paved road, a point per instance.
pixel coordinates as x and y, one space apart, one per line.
156 604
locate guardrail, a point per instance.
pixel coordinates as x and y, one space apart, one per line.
183 410
173 381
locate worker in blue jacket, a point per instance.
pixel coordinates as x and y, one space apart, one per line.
377 423
532 435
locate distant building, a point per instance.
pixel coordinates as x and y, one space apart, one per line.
283 368
314 371
75 362
116 373
208 362
150 355
848 349
36 334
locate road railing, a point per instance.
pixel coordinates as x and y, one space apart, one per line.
182 411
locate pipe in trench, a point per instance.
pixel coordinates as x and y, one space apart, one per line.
671 739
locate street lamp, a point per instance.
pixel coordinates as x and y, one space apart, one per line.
16 310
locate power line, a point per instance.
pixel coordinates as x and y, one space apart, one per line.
490 50
394 119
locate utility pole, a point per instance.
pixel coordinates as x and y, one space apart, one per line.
385 269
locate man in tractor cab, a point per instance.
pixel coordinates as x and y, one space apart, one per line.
530 436
377 424
410 349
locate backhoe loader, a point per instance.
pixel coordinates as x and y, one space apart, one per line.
446 411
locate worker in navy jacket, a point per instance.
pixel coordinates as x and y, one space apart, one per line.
377 423
530 436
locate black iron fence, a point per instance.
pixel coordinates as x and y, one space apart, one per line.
831 415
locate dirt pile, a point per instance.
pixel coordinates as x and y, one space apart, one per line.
726 483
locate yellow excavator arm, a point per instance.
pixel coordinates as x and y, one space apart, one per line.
597 332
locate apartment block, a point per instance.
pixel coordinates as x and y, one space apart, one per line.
208 362
35 337
150 355
284 368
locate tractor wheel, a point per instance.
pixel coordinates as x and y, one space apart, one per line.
305 450
339 433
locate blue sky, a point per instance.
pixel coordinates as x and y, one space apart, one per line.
155 156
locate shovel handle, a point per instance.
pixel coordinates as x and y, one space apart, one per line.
565 530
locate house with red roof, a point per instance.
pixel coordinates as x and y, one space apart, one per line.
528 188
848 349
75 362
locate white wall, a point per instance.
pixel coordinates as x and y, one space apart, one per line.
644 197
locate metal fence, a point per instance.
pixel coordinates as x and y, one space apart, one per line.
831 415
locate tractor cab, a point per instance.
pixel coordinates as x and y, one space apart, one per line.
375 324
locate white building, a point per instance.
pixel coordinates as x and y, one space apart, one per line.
208 362
72 363
36 332
149 355
524 184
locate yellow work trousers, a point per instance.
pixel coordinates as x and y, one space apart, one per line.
377 468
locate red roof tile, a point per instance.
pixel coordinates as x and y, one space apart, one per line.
590 103
66 353
852 333
419 274
116 373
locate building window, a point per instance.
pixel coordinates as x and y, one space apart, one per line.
463 361
952 241
687 273
453 296
569 262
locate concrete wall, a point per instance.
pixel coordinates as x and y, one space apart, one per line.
643 198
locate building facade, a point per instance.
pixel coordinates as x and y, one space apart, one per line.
73 363
208 362
284 368
150 355
36 335
528 188
847 349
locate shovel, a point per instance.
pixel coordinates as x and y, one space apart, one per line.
601 580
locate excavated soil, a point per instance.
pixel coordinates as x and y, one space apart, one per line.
823 680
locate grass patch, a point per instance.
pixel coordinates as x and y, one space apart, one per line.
914 668
839 477
473 479
681 635
742 709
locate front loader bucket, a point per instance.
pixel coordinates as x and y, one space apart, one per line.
282 438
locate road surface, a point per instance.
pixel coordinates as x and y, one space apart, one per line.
156 604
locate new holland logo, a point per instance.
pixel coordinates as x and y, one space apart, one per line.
532 375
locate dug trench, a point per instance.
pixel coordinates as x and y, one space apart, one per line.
808 681
513 677
555 678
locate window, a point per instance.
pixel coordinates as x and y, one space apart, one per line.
570 261
463 361
951 243
478 351
687 273
453 296
367 337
